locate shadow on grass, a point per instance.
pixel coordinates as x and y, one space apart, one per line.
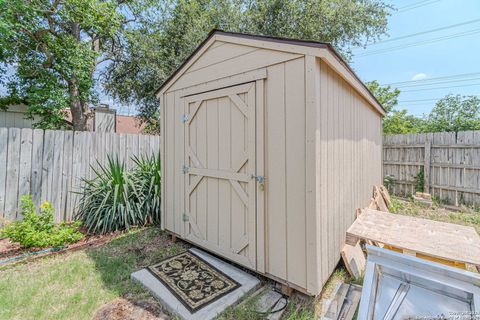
130 252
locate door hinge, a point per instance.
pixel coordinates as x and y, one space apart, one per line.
185 217
185 118
185 169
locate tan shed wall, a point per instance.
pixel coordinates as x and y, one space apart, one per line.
322 153
350 152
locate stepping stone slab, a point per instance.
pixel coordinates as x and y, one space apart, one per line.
247 282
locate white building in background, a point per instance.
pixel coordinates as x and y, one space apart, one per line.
105 119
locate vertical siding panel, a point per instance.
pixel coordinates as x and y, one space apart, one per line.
295 171
202 206
179 158
275 190
350 159
224 163
238 143
323 132
312 176
170 161
212 163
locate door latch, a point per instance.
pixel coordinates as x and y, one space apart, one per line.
260 180
185 217
185 118
185 169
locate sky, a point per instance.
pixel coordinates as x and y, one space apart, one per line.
452 52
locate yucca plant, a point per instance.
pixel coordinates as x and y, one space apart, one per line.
147 173
111 201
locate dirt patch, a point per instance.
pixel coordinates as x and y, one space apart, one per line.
122 309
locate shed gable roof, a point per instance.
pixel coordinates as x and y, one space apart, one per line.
324 51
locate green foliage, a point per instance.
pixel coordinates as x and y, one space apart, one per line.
453 114
389 182
420 181
158 45
116 199
386 95
53 48
395 121
148 175
396 206
400 122
37 229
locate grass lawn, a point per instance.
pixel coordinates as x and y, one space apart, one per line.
465 216
74 285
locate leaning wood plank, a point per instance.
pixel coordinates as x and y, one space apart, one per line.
386 195
377 196
354 260
432 238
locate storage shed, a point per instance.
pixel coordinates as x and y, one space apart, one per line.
268 147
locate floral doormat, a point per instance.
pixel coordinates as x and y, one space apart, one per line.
192 280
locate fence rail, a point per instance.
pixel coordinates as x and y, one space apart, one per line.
49 164
450 163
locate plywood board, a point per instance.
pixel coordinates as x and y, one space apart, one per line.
433 238
354 260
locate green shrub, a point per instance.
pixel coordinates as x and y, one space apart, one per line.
114 199
37 229
147 175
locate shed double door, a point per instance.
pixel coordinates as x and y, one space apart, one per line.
220 184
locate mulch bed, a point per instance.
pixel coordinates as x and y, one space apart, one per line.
10 250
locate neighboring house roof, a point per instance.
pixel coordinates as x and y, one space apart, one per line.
128 124
323 50
123 124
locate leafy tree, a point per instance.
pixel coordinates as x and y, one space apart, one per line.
400 122
453 114
386 95
54 48
157 46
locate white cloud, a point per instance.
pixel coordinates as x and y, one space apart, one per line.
419 76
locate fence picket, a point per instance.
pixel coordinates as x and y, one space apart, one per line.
450 163
50 164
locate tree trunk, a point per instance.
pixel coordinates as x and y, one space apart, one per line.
82 115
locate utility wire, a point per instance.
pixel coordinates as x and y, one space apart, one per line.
453 76
434 83
423 42
424 32
438 88
416 5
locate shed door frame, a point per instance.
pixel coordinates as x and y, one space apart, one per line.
255 96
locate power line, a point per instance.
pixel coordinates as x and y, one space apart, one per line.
425 32
448 87
453 76
423 42
434 83
416 5
431 99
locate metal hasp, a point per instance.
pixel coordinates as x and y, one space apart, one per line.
185 118
397 286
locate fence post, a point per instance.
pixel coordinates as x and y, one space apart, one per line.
426 167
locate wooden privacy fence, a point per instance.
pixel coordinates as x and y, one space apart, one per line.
450 163
49 164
